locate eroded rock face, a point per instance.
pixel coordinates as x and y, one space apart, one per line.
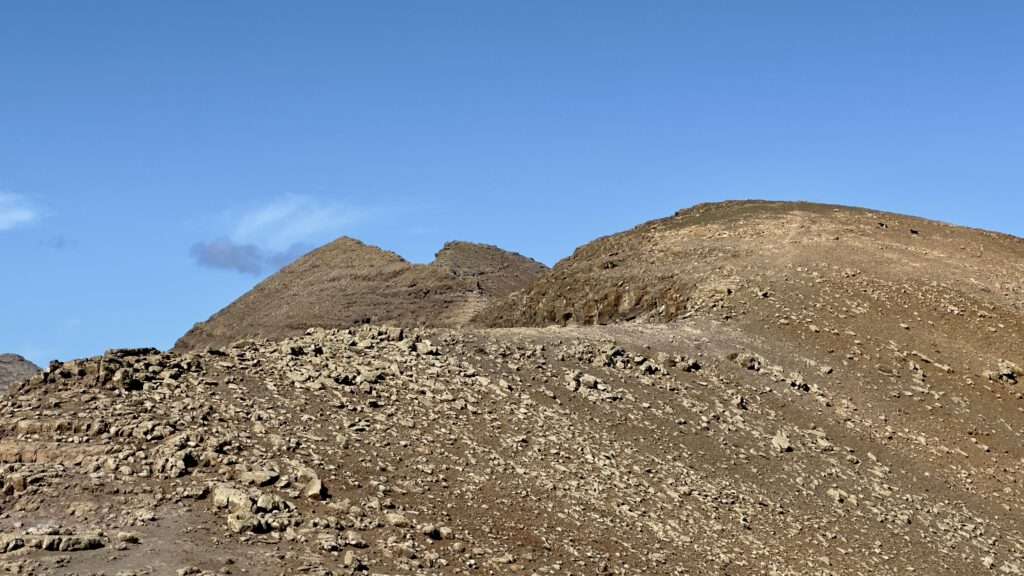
14 369
347 283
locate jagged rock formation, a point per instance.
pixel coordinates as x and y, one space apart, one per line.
348 283
785 402
13 369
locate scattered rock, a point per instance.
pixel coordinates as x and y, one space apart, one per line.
781 443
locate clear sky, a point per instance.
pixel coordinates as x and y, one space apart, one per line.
158 158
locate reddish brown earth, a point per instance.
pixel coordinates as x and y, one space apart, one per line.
348 283
768 388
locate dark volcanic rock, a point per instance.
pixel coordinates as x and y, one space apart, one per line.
14 369
348 283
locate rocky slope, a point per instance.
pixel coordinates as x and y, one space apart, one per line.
699 258
13 369
347 283
785 403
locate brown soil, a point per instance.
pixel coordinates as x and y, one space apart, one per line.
771 389
348 283
700 257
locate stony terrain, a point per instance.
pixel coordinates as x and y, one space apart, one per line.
347 283
13 369
699 258
813 390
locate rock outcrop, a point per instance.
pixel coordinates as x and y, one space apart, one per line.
14 369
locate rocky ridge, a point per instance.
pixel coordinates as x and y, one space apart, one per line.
699 258
13 369
347 283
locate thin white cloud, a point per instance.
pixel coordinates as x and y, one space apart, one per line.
15 211
265 239
291 220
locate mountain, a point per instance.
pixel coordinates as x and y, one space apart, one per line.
13 369
746 259
740 388
348 283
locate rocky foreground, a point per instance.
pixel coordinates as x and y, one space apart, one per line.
601 450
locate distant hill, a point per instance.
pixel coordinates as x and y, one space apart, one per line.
14 369
719 256
347 283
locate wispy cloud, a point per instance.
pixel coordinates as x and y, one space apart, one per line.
290 220
15 211
245 258
265 239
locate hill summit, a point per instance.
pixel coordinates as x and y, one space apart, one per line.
347 283
716 256
13 369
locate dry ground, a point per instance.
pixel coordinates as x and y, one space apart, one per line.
743 388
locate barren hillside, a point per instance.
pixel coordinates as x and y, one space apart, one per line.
700 258
742 388
13 369
347 283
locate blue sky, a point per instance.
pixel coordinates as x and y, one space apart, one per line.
157 159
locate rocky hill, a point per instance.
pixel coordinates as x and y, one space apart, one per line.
348 283
768 388
13 369
700 258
